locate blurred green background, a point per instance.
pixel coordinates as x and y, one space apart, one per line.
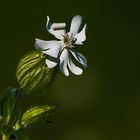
103 103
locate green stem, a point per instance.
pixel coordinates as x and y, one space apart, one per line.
5 137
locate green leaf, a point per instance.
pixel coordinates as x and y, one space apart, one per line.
20 135
33 75
36 115
10 111
7 103
15 116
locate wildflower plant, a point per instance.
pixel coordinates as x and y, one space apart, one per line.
35 71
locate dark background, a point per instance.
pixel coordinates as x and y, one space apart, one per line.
103 103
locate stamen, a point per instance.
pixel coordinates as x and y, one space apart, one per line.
67 40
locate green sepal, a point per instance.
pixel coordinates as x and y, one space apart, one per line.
36 115
32 74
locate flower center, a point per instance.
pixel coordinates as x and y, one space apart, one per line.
67 40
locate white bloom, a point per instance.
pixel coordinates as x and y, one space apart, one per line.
58 51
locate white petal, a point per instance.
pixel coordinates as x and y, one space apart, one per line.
43 45
56 29
58 26
75 24
50 63
64 62
79 57
74 69
81 36
40 44
53 48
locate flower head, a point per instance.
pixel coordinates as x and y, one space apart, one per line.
58 51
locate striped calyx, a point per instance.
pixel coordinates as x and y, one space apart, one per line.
32 74
36 115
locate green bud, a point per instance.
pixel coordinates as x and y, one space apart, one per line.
33 75
36 115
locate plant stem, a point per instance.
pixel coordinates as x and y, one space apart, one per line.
5 137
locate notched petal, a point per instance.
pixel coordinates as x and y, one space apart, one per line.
54 49
79 57
64 62
74 69
56 29
81 36
58 26
51 61
75 24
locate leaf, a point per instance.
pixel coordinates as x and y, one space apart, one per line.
7 103
33 75
21 135
15 116
7 92
36 115
10 111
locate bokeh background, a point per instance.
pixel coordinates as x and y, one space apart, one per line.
103 103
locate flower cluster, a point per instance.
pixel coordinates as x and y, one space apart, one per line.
60 51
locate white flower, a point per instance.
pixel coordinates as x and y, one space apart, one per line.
58 51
